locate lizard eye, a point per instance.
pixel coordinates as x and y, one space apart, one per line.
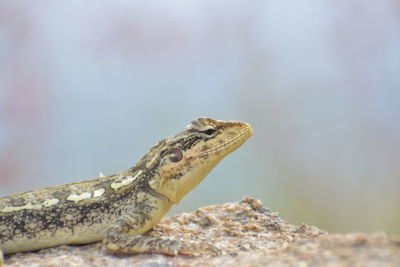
209 131
175 155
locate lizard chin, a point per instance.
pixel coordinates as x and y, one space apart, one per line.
176 189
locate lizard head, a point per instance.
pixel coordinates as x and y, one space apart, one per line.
183 160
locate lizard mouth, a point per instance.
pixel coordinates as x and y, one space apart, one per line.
241 137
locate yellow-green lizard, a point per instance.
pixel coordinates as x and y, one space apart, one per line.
120 208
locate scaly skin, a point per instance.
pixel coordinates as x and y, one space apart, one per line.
120 208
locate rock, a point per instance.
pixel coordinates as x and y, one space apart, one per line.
246 234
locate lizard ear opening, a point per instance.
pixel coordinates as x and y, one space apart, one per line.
175 155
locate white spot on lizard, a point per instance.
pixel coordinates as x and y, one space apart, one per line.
29 206
24 207
129 179
98 192
76 198
50 202
150 162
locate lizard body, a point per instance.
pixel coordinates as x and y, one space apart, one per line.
120 208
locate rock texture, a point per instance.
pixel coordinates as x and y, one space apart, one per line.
246 233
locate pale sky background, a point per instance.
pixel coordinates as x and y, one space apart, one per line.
91 86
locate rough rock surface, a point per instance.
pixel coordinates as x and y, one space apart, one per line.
246 233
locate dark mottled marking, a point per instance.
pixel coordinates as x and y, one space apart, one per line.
61 194
205 148
18 202
188 142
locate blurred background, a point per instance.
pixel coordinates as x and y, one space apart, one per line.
90 86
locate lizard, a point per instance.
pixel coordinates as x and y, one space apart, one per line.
119 209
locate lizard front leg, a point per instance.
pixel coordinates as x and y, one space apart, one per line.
126 237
